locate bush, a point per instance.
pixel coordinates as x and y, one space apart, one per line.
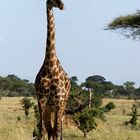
133 120
85 120
27 104
109 106
18 118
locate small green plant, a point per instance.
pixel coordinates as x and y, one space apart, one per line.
109 107
0 94
36 113
37 118
18 118
27 104
133 120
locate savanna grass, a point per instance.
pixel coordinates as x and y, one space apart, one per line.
13 128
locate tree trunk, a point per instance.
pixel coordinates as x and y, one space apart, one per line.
85 135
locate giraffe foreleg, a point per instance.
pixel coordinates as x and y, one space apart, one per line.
40 125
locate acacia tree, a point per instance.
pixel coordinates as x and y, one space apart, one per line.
129 87
129 25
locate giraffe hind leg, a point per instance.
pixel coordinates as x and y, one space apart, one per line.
48 122
58 125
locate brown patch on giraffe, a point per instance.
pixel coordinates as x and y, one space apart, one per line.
57 97
67 85
52 35
62 77
48 42
63 96
53 87
48 33
52 63
46 64
47 90
52 54
50 75
58 63
60 69
56 81
58 90
52 47
50 29
43 72
61 103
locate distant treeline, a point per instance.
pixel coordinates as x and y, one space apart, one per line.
12 85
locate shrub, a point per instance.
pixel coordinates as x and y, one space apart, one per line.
133 120
27 104
85 120
18 118
109 106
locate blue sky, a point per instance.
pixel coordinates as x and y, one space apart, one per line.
83 47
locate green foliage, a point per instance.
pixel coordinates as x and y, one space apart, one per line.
88 84
77 95
98 84
129 85
133 120
129 25
14 86
27 104
35 133
96 78
18 118
96 101
0 95
109 106
36 113
85 120
37 118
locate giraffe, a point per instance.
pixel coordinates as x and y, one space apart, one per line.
52 83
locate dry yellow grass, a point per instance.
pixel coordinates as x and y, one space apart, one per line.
112 129
121 104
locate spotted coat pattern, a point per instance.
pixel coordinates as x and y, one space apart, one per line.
52 84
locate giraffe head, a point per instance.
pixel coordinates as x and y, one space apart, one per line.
55 3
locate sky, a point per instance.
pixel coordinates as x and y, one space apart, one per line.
83 46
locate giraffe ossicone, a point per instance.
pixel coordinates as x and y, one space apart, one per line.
52 83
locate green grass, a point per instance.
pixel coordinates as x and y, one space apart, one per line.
112 129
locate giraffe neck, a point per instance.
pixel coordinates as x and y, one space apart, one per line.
50 43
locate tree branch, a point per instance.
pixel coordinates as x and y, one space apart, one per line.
73 110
